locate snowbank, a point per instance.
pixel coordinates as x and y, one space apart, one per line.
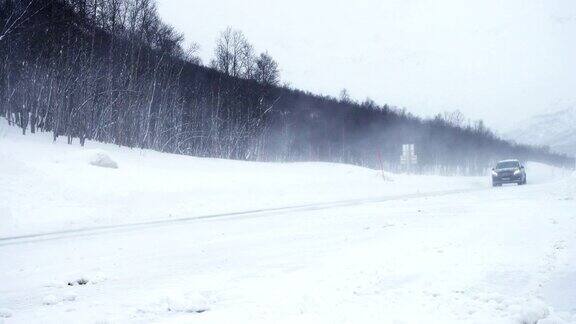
177 302
537 312
50 300
102 159
95 157
186 304
533 312
542 173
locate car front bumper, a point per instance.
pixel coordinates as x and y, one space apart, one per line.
506 179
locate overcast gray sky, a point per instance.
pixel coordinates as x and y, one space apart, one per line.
498 60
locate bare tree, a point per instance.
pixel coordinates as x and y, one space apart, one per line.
345 96
267 71
19 12
192 54
369 103
234 55
455 118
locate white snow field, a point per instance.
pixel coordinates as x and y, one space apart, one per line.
104 234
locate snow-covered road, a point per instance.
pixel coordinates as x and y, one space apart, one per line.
264 212
490 256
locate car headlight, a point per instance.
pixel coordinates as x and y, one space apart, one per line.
494 173
517 172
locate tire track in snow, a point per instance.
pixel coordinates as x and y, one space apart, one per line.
264 212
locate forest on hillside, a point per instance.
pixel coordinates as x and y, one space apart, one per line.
113 71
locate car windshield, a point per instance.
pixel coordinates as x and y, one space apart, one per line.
507 165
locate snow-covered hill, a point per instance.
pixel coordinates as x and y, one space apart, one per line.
557 130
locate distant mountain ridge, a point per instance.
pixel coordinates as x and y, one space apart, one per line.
556 130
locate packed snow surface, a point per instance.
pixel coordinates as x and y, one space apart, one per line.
169 239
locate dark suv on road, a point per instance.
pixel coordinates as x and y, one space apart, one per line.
508 171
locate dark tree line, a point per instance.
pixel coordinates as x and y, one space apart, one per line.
112 71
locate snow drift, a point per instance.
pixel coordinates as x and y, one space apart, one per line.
94 157
102 159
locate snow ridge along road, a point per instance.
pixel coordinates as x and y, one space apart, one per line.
56 235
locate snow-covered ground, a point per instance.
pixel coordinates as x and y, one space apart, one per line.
49 187
352 247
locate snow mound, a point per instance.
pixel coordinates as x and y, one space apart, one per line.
102 159
50 300
95 157
533 313
5 313
178 303
189 304
537 312
70 297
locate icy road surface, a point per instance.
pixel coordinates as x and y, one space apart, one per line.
491 256
351 247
